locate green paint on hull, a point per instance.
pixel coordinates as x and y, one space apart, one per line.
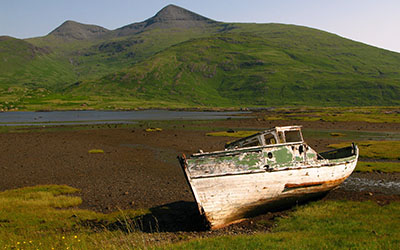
283 156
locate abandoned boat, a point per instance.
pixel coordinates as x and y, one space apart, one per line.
261 172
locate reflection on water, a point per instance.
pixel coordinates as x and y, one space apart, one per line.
102 117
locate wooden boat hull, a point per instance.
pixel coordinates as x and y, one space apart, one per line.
225 199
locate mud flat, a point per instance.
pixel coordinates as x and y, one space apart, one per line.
139 169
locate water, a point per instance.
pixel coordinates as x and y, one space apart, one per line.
104 117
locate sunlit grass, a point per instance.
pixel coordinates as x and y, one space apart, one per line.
337 134
96 151
236 134
385 167
31 218
320 225
153 129
46 217
350 114
376 149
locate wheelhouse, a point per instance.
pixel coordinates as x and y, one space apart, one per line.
277 135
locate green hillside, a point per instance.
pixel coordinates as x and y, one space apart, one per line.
179 59
253 64
23 64
93 51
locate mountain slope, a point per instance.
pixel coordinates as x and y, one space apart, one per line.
71 30
179 57
170 17
92 55
22 63
262 68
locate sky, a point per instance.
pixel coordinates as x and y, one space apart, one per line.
374 22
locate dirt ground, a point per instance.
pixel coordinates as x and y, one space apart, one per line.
139 169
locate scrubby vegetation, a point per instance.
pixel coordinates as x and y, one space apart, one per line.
37 218
384 167
376 149
328 225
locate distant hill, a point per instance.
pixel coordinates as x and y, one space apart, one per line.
180 58
71 30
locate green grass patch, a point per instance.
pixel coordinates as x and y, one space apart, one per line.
338 114
320 225
45 217
236 134
153 129
385 167
351 135
96 151
336 134
375 149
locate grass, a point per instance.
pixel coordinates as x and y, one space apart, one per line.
336 134
351 135
251 69
376 149
320 225
236 134
153 129
96 151
225 65
384 167
45 217
370 114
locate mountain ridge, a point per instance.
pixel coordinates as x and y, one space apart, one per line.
72 30
170 16
178 56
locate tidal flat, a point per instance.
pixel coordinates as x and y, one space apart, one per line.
132 194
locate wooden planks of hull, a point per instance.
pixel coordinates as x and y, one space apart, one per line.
226 199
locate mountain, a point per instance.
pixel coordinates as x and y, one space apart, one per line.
71 30
263 68
170 17
22 64
179 58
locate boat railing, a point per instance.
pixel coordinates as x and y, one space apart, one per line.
338 153
244 149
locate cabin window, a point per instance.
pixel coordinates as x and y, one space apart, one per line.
269 139
254 142
293 136
281 137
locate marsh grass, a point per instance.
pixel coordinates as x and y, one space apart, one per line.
375 149
96 151
153 129
45 217
336 134
385 167
236 134
319 225
340 114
